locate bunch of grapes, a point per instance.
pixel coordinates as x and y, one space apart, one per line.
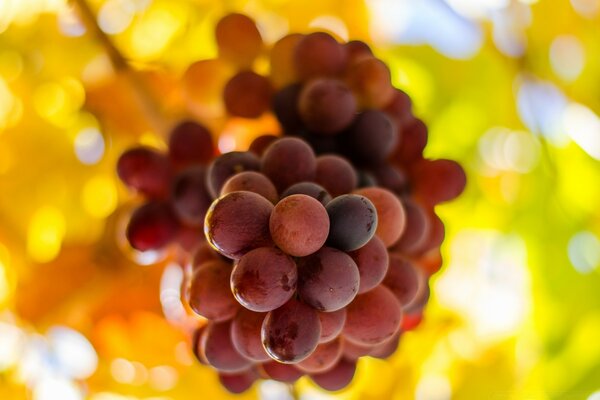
319 240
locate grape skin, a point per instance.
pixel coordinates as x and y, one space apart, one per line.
247 95
226 165
151 227
189 197
238 39
372 261
311 189
402 279
326 106
145 170
286 152
245 335
190 143
390 213
336 378
251 181
335 174
219 350
353 221
318 54
325 356
332 324
209 294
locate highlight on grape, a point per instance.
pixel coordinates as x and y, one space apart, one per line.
313 247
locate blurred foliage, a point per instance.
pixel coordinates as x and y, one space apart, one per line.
515 311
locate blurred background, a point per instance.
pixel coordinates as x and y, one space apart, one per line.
510 88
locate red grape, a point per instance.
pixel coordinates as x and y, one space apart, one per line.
372 261
353 221
210 295
189 197
285 108
412 143
357 50
291 333
190 143
283 71
390 213
237 223
336 378
203 254
252 182
247 95
387 348
238 39
354 351
332 324
325 356
318 54
326 106
328 280
226 165
371 81
245 335
402 279
197 339
260 144
288 161
264 279
152 226
311 189
282 372
299 225
145 170
372 137
237 383
373 317
336 174
417 229
437 181
219 350
400 108
390 177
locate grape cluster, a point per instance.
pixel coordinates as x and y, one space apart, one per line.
318 245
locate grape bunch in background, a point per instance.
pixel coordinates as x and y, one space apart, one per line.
314 247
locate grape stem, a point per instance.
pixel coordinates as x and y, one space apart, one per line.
146 101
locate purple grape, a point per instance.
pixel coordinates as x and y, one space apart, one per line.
245 335
336 378
285 107
190 197
260 144
151 227
325 357
417 229
372 261
371 138
326 106
288 161
332 324
247 95
190 143
286 373
402 279
252 182
219 350
145 170
353 221
226 165
311 189
209 293
238 383
336 174
318 54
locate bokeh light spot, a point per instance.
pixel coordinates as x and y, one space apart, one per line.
583 126
115 16
89 146
73 353
567 57
45 234
433 387
53 388
99 196
332 24
584 252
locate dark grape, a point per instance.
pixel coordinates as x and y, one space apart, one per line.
354 351
251 181
282 372
370 79
219 350
145 170
322 144
402 279
325 356
437 181
373 317
412 143
226 165
237 223
283 71
357 50
260 144
336 174
372 261
366 179
390 213
417 229
328 280
353 221
190 198
238 382
371 138
210 295
238 39
326 106
299 225
331 324
285 107
247 95
390 177
400 109
264 279
152 226
311 189
291 332
387 348
288 161
190 143
245 335
336 378
318 54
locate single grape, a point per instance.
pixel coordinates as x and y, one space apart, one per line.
373 317
219 350
285 108
264 279
145 170
151 227
189 197
237 223
336 378
325 356
226 165
354 351
311 189
336 174
190 143
245 335
247 95
197 339
371 138
260 144
353 221
400 109
326 106
412 143
402 279
288 161
299 225
387 348
238 39
332 324
328 280
370 80
390 213
437 181
357 50
210 295
291 333
372 261
417 229
283 71
286 373
318 54
390 177
251 181
238 383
